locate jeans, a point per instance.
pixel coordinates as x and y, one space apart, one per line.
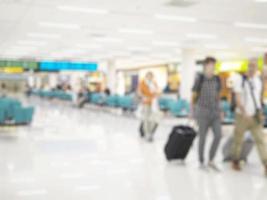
207 118
149 123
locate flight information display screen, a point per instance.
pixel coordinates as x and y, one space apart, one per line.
59 66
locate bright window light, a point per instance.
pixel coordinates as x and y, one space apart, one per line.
136 31
82 9
251 25
175 18
233 65
59 25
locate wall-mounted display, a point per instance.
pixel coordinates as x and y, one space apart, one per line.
59 66
25 65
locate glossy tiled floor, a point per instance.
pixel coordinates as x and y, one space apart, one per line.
72 154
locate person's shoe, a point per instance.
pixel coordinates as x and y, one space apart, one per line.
203 167
236 166
150 139
212 166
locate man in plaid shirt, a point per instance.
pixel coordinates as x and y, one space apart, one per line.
206 109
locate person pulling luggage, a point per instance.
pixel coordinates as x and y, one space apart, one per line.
205 108
248 90
148 91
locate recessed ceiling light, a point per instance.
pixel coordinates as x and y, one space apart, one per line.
256 40
259 49
59 25
32 192
44 35
89 46
136 31
68 53
165 43
23 47
82 9
139 48
201 36
251 25
119 54
29 42
216 46
109 39
18 52
175 18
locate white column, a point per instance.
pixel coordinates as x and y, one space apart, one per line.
188 70
111 75
265 66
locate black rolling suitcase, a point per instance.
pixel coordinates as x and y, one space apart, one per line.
179 142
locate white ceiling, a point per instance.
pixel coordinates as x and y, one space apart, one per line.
130 29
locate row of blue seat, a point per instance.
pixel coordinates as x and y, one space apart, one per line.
58 94
181 108
12 112
178 108
124 102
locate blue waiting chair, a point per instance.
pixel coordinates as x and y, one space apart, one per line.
126 102
164 103
179 108
97 99
23 115
2 114
228 114
112 101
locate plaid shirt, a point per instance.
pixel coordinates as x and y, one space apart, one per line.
209 92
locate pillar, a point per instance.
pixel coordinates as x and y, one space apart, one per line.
188 71
111 75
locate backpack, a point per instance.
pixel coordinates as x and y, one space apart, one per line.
201 78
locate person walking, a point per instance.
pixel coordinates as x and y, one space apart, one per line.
205 108
248 90
148 91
